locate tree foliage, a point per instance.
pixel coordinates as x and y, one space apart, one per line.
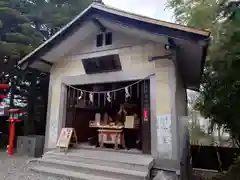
220 87
220 93
25 24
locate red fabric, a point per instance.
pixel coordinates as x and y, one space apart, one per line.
11 135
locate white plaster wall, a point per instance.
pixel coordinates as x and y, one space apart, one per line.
132 57
120 40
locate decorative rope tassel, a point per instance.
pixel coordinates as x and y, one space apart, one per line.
80 95
91 97
127 95
74 97
109 99
77 100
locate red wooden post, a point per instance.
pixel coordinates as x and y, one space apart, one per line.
13 119
11 138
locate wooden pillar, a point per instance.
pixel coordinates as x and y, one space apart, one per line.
146 132
29 123
71 110
45 101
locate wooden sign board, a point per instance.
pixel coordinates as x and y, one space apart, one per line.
67 136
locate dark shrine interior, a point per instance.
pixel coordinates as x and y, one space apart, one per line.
83 110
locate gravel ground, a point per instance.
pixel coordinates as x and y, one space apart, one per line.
16 168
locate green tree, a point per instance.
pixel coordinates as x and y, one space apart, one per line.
17 36
220 93
220 87
24 24
202 14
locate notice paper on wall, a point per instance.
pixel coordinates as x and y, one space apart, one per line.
164 136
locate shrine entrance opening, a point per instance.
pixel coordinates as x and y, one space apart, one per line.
117 118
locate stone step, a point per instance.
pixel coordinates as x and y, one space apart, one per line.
98 170
68 174
135 159
135 166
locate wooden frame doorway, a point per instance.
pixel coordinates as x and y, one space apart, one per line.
145 123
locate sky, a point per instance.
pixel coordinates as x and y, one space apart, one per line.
151 8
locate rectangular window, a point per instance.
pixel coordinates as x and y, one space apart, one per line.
102 64
99 40
108 38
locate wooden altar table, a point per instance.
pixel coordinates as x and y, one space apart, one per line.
110 135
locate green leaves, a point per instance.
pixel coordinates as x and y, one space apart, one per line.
197 13
220 85
26 24
8 14
220 94
18 37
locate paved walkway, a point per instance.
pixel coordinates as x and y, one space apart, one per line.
16 168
